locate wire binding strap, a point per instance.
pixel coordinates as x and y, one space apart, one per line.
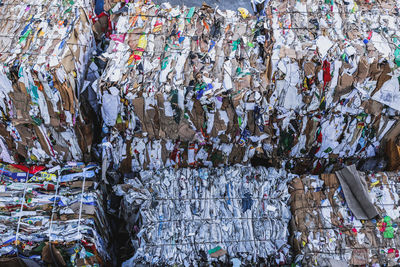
80 208
21 211
54 205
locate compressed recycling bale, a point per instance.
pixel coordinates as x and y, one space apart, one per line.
187 216
45 48
53 214
197 86
325 230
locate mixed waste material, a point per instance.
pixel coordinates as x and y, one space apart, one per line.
54 215
335 218
45 47
233 214
219 136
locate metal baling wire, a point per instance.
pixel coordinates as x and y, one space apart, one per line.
256 199
285 12
80 207
33 5
344 249
40 54
274 12
334 187
209 242
20 212
193 182
54 204
191 36
291 28
51 220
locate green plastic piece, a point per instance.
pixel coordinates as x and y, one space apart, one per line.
397 57
389 232
119 119
20 72
23 37
189 15
164 63
34 92
37 121
235 44
211 251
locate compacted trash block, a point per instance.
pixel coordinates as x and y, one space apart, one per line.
310 85
325 228
45 47
193 216
53 215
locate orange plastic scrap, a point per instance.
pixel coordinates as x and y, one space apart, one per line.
157 26
206 25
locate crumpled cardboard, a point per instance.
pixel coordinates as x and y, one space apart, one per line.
50 254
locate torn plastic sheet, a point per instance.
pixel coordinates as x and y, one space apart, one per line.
389 94
194 215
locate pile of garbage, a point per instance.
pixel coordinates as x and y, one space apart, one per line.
53 215
347 218
177 102
234 214
45 47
